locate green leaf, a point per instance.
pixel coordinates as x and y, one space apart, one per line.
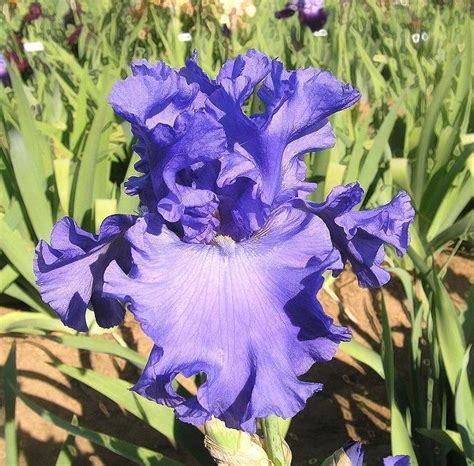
464 408
371 162
104 208
399 434
363 354
18 250
84 182
62 169
31 184
461 229
68 454
432 113
38 148
10 387
157 416
139 455
7 276
30 322
99 345
446 437
448 330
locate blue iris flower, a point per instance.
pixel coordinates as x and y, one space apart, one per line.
223 263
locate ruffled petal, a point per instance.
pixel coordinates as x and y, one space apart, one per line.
158 102
298 104
213 310
70 271
295 122
239 77
183 118
360 235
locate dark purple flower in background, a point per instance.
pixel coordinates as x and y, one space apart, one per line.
4 76
310 13
35 11
222 266
19 59
70 21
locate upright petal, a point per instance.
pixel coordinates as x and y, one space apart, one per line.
239 77
152 100
70 271
210 308
360 235
296 120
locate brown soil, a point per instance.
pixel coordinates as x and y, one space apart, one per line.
353 404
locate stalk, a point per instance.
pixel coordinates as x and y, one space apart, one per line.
273 442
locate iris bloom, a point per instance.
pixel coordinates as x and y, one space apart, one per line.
223 263
310 13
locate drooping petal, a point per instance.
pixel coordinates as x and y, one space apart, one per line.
399 460
360 235
70 271
215 308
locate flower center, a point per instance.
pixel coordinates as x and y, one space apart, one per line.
225 243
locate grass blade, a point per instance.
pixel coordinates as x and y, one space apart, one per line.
365 355
100 346
10 387
68 454
464 408
157 416
400 437
139 455
428 131
449 438
83 184
32 186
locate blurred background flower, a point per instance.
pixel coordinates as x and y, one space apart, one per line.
4 76
310 13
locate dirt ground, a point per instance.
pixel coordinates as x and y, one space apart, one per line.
353 404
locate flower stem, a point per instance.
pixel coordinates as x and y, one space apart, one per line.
273 441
